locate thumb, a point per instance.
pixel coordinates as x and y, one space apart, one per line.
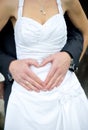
33 62
46 61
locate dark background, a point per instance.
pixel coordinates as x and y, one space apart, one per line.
82 72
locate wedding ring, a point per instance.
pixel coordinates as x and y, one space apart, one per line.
27 83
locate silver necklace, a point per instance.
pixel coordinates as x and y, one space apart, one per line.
42 9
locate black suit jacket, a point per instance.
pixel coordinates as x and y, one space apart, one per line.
8 51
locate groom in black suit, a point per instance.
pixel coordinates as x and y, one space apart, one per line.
8 52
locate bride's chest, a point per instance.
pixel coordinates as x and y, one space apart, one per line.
27 29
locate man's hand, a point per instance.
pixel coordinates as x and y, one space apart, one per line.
60 65
22 73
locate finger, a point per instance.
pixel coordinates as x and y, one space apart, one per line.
34 77
57 83
29 86
33 62
23 82
52 80
25 77
25 86
34 83
46 61
60 81
50 74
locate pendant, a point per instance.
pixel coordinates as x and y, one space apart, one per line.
42 11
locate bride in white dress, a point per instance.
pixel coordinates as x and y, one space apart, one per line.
65 107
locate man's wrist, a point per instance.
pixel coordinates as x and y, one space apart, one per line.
9 75
10 78
72 66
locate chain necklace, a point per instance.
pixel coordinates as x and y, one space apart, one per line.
42 9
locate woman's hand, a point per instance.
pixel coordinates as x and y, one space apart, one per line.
60 63
22 73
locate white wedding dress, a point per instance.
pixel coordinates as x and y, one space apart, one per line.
63 108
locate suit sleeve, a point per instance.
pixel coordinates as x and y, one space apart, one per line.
7 49
74 45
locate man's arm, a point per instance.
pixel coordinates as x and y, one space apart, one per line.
7 49
74 45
